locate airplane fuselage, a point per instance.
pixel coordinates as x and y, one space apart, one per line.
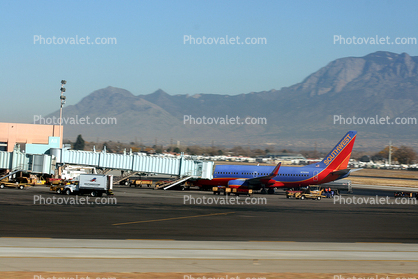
286 177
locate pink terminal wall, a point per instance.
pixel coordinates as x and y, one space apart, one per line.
13 133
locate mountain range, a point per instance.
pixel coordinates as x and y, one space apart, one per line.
381 84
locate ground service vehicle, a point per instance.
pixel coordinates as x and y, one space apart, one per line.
227 191
19 183
293 194
57 188
140 182
221 189
54 181
159 183
92 184
315 193
339 185
71 172
405 195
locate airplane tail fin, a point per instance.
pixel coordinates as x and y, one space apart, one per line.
275 171
339 156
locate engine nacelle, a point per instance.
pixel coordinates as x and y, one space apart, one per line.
237 183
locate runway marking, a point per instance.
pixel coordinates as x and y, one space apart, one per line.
150 239
206 249
270 241
382 242
175 218
26 237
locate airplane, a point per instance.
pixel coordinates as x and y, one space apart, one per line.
332 167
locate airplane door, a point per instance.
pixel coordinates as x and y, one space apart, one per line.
315 177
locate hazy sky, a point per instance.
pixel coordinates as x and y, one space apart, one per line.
149 52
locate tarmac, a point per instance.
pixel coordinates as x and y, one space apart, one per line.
164 231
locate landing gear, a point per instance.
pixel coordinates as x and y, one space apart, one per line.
271 191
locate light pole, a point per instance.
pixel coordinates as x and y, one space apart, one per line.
390 154
62 99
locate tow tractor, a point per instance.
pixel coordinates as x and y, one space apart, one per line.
19 183
59 188
140 182
313 192
54 181
227 191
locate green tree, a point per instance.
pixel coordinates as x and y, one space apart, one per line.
79 143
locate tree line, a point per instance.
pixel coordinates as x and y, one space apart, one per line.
403 154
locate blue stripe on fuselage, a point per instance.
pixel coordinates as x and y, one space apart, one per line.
285 174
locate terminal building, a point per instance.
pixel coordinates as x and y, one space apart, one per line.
31 138
285 158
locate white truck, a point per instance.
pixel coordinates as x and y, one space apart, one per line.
94 185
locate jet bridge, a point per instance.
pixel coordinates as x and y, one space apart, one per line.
34 163
135 163
128 162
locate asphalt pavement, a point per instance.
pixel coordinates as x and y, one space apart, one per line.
199 215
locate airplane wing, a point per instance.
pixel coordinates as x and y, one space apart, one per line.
341 172
344 171
352 170
261 179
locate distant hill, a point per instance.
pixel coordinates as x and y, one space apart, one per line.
381 83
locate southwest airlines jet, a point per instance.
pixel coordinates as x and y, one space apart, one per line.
332 167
